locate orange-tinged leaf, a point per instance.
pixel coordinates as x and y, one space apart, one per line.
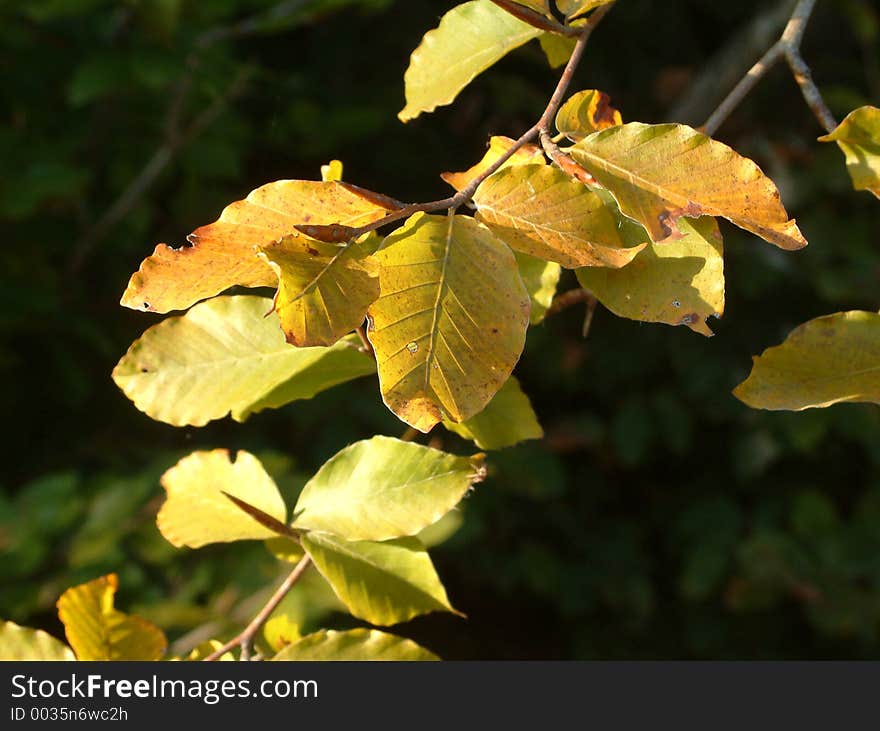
829 360
451 319
659 173
858 136
498 145
324 290
586 112
224 253
98 631
541 211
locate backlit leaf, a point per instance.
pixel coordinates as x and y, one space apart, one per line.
281 632
859 137
24 643
540 278
383 488
227 356
678 282
498 145
541 211
324 290
556 48
98 631
507 420
381 583
586 112
825 361
196 512
659 173
450 323
470 38
224 254
354 645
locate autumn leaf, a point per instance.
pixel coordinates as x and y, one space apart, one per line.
498 145
540 278
858 136
659 173
98 631
678 282
542 212
224 253
470 38
451 319
825 361
24 643
586 112
573 8
354 645
556 48
324 290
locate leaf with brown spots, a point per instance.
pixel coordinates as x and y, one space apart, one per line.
498 145
224 253
586 112
659 173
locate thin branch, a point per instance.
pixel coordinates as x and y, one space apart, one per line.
570 298
787 47
245 637
366 345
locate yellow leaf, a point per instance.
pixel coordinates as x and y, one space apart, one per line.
540 278
586 112
572 8
196 511
209 647
324 290
332 171
24 643
98 631
678 282
556 48
280 632
825 361
450 323
354 645
659 173
498 145
859 137
541 211
470 38
223 254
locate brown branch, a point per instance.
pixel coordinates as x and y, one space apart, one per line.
787 47
366 345
244 638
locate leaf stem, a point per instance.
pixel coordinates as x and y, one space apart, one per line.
244 638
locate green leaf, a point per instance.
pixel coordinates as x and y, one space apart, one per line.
556 48
381 583
541 211
228 356
470 38
450 323
829 360
679 282
659 173
572 8
859 137
197 512
24 643
284 549
586 112
540 278
384 488
98 631
507 420
354 645
324 290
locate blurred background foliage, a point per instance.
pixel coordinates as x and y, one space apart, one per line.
660 518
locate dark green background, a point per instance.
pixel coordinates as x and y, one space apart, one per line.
660 517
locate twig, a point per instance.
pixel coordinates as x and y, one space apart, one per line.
245 637
787 47
564 300
367 346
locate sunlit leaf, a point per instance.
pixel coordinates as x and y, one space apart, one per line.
678 282
332 171
281 631
354 645
224 253
507 420
859 137
324 290
24 643
442 530
498 145
381 583
586 112
383 488
556 48
209 647
659 173
451 320
541 211
572 8
539 6
540 278
227 356
196 511
98 631
825 361
470 38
